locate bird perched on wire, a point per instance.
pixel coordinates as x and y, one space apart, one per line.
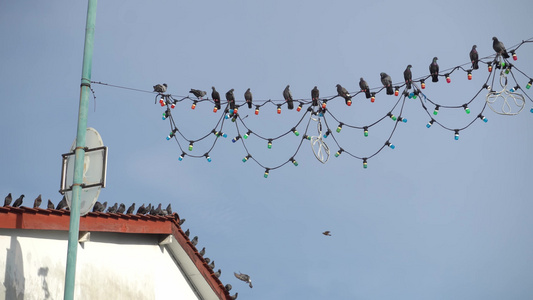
160 88
50 204
499 47
434 70
231 98
364 87
408 76
387 83
198 93
8 200
327 233
216 97
18 202
287 95
248 98
244 278
37 202
130 209
315 94
474 58
343 93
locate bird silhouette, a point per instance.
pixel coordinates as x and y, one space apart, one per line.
434 70
228 287
121 208
499 47
202 252
315 94
181 221
8 200
37 202
159 210
287 95
248 98
18 202
217 273
131 209
98 207
231 98
343 93
62 204
216 97
212 265
198 93
387 83
160 88
364 87
244 277
169 209
194 241
408 76
474 58
327 232
187 232
112 209
235 296
141 210
50 204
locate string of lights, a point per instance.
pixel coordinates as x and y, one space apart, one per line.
317 110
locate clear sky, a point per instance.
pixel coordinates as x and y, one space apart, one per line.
434 218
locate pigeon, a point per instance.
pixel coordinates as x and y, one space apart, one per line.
434 70
343 93
212 265
228 287
244 278
37 202
18 202
159 210
207 260
50 204
169 209
387 83
8 200
194 240
112 209
314 95
327 232
187 232
216 97
202 252
474 58
160 88
499 47
152 211
364 87
217 273
121 208
288 97
181 221
198 93
248 98
131 209
235 296
98 207
141 210
408 76
231 99
62 204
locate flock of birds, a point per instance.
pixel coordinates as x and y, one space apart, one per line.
386 80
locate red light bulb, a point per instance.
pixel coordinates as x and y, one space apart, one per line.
423 85
193 106
349 102
469 76
215 109
279 109
257 111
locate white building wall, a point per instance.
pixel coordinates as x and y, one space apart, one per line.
109 266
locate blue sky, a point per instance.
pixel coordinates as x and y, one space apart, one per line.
434 218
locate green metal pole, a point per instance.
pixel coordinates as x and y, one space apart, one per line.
73 233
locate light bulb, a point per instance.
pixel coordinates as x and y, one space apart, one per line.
328 132
299 107
324 104
448 80
349 102
171 135
365 131
207 157
307 137
181 156
256 110
231 110
269 145
528 85
393 117
162 102
193 106
294 162
469 75
387 143
247 134
339 128
166 114
514 55
416 93
266 173
215 109
396 91
422 84
279 109
483 118
436 111
467 110
373 97
365 163
236 138
173 105
296 133
402 119
490 67
456 134
430 123
512 90
339 152
411 95
245 159
235 110
190 146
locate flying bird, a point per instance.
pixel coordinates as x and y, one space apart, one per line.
62 204
112 209
434 70
194 240
37 202
474 58
8 200
327 232
408 76
198 93
343 93
499 47
315 94
216 97
231 99
387 83
248 98
287 95
50 204
130 209
18 202
160 88
244 278
121 208
364 87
